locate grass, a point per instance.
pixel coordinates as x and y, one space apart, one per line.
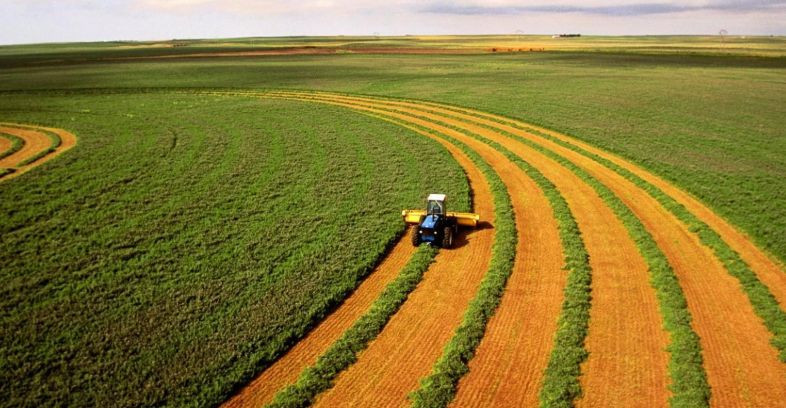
188 241
319 377
16 144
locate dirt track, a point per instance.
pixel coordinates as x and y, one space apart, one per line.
35 141
286 369
627 364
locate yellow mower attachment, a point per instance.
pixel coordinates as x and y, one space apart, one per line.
462 218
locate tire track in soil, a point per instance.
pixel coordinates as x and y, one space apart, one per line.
622 369
284 371
742 367
35 142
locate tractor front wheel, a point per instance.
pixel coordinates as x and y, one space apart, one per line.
447 238
415 237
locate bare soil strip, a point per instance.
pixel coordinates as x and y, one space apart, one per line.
36 141
286 369
626 343
742 366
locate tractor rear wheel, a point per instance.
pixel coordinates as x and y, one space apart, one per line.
447 238
415 237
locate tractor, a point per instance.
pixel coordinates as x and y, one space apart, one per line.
435 225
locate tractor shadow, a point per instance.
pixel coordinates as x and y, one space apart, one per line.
460 240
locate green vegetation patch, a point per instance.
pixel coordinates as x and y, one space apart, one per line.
711 124
190 240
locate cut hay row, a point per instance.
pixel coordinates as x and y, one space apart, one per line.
31 146
715 330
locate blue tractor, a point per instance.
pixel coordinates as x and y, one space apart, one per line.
435 225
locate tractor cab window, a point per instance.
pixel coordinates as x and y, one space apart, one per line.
435 207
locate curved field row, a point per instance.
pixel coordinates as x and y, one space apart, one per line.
631 195
620 285
733 337
286 369
40 144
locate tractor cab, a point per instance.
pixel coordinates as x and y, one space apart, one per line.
435 204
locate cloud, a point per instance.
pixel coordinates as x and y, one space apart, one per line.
632 9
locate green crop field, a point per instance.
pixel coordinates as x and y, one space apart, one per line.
190 239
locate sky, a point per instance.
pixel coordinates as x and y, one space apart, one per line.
34 21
